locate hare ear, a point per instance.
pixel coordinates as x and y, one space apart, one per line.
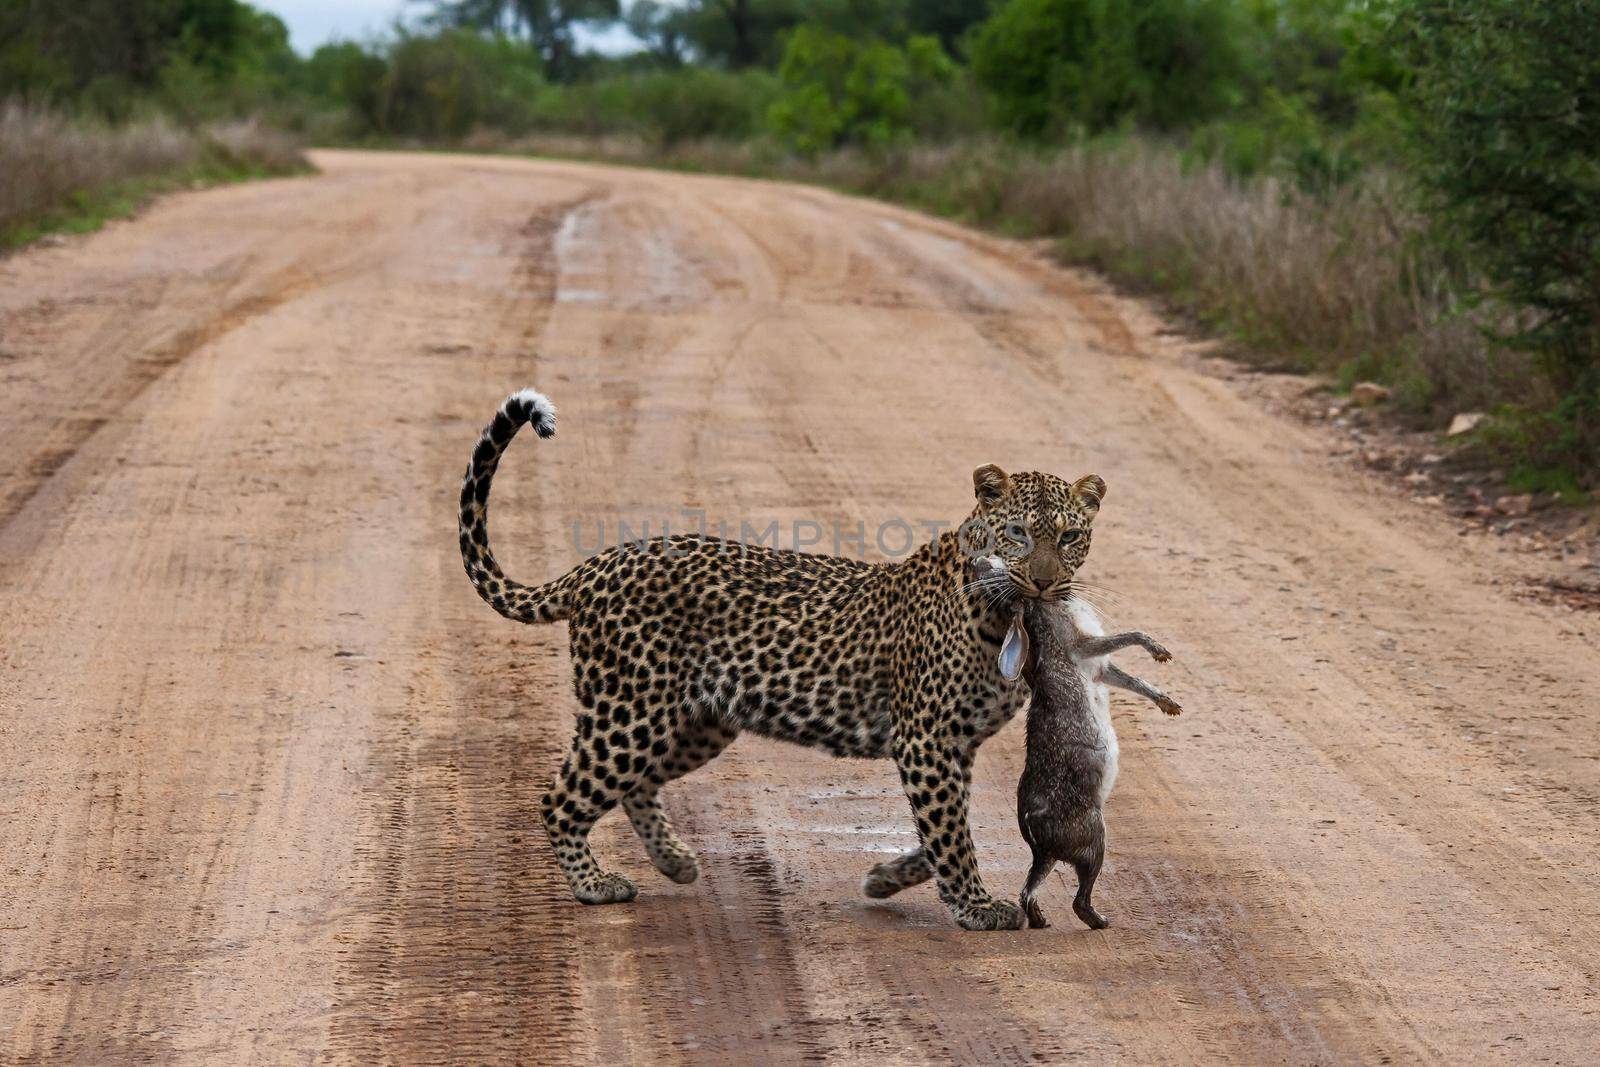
989 484
1088 491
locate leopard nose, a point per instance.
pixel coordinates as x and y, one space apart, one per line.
1044 569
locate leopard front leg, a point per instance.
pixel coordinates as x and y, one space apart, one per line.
937 776
891 876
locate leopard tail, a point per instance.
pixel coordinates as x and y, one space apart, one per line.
524 603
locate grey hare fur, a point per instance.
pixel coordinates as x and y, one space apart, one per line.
1071 745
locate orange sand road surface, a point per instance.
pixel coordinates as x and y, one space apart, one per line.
269 770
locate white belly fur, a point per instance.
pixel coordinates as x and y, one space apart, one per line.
1087 623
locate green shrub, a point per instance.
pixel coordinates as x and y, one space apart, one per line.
1281 136
837 90
117 59
697 103
445 86
665 107
1061 66
1506 100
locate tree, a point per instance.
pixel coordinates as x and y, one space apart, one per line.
737 33
1505 101
549 24
445 85
748 33
1055 66
842 90
948 20
660 27
108 54
344 73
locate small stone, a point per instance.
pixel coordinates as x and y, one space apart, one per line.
1466 422
1378 461
1369 393
1520 504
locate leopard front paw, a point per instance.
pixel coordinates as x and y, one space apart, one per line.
991 915
680 866
891 876
881 884
606 889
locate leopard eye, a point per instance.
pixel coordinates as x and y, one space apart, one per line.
1069 536
1015 533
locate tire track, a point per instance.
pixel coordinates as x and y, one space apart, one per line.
272 772
465 939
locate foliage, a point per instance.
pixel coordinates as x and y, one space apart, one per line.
745 33
699 104
949 20
346 75
659 27
1505 97
548 24
838 90
664 107
737 33
442 87
1059 66
203 58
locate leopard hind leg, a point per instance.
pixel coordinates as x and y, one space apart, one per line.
697 742
606 763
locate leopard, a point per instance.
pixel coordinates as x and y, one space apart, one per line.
682 642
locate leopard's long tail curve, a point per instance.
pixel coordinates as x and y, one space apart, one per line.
524 603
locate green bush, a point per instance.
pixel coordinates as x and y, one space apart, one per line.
1058 67
120 59
697 103
1506 100
665 107
1281 136
443 87
837 90
346 76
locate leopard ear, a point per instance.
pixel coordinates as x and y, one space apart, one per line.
989 484
1088 491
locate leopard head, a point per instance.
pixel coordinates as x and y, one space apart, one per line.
1037 524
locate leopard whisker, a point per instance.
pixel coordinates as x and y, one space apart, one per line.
1099 588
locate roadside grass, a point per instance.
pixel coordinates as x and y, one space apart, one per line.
61 175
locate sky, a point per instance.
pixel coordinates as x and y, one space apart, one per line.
313 23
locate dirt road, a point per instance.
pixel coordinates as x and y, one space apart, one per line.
269 770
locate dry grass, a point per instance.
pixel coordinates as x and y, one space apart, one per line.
254 145
50 164
1345 282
